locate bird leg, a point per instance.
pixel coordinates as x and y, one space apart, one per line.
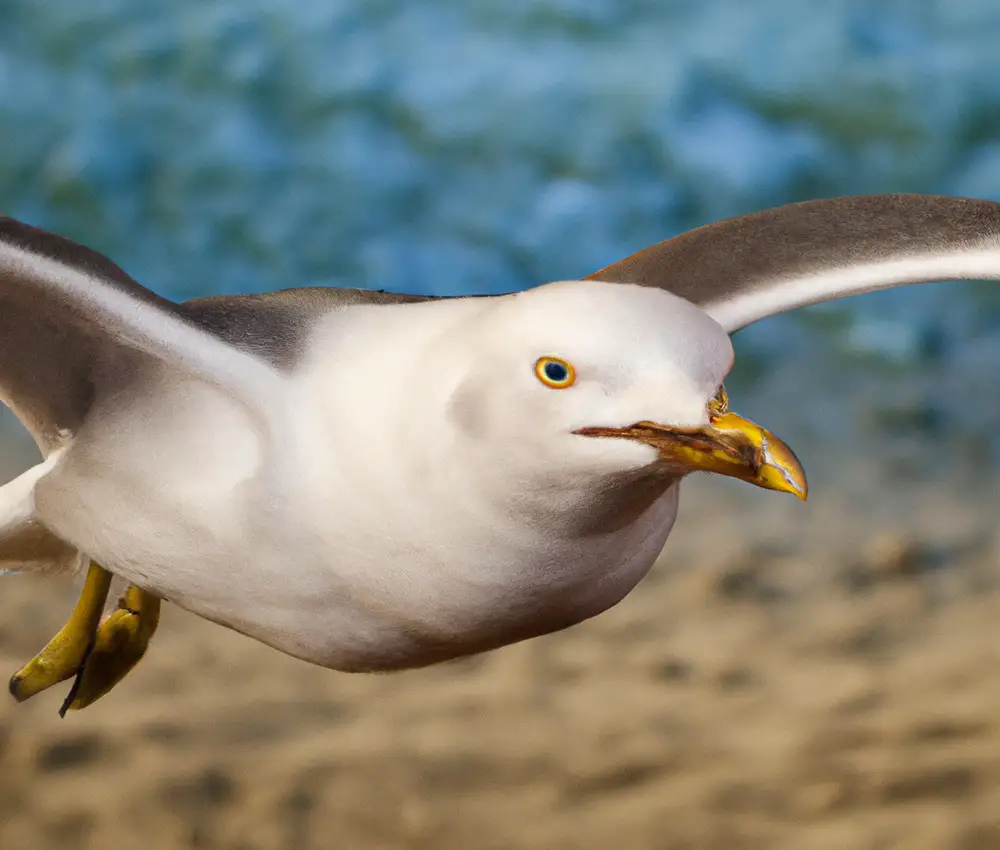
65 653
119 645
98 654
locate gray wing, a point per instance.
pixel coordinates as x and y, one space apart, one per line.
747 268
69 317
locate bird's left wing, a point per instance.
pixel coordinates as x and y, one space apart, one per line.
750 267
69 318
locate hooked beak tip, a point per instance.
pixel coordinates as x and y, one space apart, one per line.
773 465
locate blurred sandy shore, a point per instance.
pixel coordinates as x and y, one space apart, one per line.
797 677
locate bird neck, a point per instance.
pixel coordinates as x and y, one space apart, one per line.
586 505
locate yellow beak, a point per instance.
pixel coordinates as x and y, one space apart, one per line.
728 445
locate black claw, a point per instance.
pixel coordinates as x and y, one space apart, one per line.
72 694
77 681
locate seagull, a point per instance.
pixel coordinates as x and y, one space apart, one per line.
372 481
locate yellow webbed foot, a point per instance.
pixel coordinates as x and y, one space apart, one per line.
120 644
62 656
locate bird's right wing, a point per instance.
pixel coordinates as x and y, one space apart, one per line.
750 267
68 314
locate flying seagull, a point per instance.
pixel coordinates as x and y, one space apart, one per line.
371 481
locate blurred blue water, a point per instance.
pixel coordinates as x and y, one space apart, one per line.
483 145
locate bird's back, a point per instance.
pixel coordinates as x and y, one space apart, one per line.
273 325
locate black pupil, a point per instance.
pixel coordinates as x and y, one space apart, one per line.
556 372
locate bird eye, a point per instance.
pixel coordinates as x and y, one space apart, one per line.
555 372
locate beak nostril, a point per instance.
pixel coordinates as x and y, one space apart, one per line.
718 405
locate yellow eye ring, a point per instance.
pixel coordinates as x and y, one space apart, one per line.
555 372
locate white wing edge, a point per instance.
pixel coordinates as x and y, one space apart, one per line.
160 333
972 262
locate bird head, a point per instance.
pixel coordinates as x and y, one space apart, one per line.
614 378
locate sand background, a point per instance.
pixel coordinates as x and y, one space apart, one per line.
798 677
